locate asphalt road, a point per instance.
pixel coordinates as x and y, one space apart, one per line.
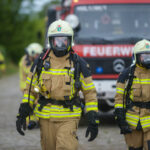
10 98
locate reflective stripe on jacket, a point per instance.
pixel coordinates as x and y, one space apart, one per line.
58 83
140 92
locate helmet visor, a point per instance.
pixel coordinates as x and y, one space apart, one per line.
145 57
60 43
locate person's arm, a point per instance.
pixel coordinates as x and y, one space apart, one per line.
120 99
22 74
26 106
91 103
89 92
29 89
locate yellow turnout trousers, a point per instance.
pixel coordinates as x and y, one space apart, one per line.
58 135
138 139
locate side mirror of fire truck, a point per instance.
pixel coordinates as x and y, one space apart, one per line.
73 20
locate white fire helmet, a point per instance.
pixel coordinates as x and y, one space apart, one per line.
60 37
141 52
33 49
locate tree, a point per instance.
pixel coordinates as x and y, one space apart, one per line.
18 30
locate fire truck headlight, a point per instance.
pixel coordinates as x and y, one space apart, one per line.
73 20
99 70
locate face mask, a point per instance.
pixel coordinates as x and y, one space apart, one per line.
145 60
60 43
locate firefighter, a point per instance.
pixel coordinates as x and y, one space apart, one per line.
2 63
32 52
132 100
59 75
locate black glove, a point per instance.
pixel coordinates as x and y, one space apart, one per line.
24 111
123 125
124 128
92 128
32 124
21 123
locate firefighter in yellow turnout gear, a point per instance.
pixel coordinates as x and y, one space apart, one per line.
132 101
58 81
2 63
32 52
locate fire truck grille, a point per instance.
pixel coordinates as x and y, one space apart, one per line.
108 65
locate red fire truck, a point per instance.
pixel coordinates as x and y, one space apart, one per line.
105 32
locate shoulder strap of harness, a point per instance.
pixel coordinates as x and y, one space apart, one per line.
77 71
128 85
38 63
37 67
130 79
77 66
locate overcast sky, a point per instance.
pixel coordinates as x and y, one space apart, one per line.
37 5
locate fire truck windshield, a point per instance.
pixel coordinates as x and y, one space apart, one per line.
117 23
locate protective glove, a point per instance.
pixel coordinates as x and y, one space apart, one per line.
92 128
21 123
32 124
123 125
24 111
